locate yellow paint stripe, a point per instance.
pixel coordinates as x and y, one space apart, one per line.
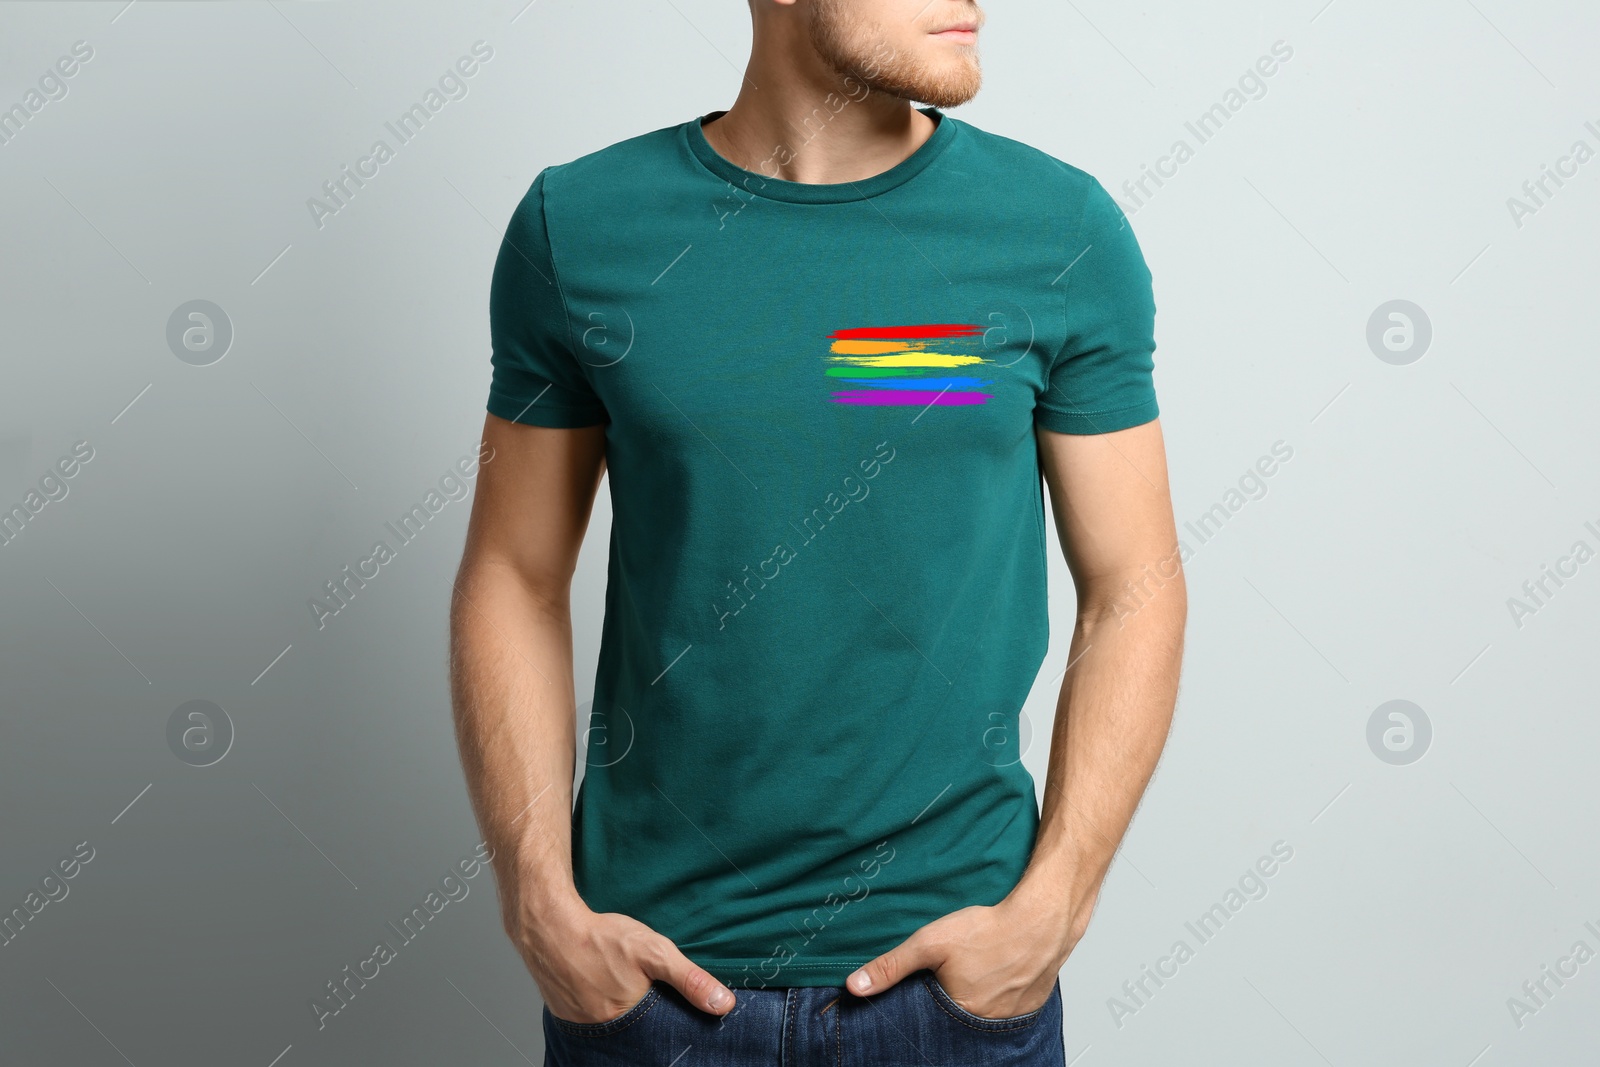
916 359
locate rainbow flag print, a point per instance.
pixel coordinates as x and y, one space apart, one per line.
909 365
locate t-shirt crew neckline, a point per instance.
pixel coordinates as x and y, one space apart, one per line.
823 193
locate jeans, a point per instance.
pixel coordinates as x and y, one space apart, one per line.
914 1023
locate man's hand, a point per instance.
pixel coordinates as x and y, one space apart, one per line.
592 968
996 962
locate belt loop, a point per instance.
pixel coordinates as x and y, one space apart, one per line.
791 1009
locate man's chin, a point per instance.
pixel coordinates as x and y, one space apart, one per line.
946 93
941 89
946 101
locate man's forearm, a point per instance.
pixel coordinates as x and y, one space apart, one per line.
512 690
1111 722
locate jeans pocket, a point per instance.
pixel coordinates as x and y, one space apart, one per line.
949 1006
609 1026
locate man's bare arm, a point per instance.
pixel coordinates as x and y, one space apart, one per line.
1113 512
513 696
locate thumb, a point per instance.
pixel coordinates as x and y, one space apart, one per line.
670 965
912 954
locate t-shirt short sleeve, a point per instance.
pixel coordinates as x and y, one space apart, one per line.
537 378
1101 381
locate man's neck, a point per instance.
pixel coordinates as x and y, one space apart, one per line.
803 122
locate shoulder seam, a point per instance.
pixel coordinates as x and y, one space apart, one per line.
555 271
1066 317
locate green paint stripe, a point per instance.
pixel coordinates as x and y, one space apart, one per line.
874 372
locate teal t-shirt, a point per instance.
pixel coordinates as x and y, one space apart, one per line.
825 602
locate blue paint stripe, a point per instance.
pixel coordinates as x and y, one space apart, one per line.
920 383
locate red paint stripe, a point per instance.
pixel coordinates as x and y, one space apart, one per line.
906 333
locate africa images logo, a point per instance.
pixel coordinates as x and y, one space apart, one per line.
907 365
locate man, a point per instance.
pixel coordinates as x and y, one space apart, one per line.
825 343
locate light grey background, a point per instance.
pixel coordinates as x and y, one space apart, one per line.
1377 567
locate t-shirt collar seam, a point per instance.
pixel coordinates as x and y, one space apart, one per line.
686 139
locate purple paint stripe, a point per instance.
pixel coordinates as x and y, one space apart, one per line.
919 397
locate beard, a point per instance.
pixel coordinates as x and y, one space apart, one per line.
860 49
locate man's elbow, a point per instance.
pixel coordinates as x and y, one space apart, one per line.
1155 594
488 581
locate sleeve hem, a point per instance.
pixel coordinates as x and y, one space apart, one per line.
1095 422
536 413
